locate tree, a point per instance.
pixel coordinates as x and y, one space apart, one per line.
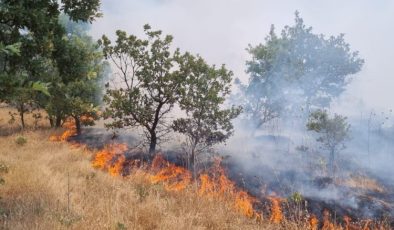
34 25
296 72
147 84
15 89
204 91
333 132
74 87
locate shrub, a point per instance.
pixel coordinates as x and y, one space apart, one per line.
20 140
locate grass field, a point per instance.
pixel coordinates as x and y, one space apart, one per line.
51 185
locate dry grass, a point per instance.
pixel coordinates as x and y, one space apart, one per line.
50 185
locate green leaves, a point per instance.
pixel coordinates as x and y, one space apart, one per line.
86 10
332 131
148 82
153 80
204 91
13 49
295 71
40 87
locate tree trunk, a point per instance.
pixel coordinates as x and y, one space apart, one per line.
58 121
77 125
153 142
50 118
192 162
332 162
22 114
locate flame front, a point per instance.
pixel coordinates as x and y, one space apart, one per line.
313 222
175 178
327 225
276 210
218 185
70 131
111 158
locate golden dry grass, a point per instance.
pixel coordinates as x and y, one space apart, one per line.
50 185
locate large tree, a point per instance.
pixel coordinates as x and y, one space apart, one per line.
202 97
75 83
146 85
296 71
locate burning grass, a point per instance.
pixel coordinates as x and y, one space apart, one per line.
53 186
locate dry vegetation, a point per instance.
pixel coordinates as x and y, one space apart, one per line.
51 185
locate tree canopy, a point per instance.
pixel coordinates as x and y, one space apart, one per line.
296 71
34 26
151 80
202 98
332 132
147 86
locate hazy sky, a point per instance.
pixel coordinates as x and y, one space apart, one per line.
220 30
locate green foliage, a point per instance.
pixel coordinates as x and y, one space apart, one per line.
86 10
120 226
153 80
13 49
148 84
204 91
332 132
296 197
29 39
21 140
75 82
296 71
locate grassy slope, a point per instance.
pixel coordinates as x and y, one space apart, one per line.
53 186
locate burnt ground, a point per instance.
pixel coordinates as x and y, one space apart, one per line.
318 193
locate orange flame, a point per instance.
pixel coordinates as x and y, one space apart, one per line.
244 203
175 178
104 158
276 210
70 131
116 168
327 225
220 186
313 222
86 119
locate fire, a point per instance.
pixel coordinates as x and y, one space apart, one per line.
213 183
116 168
86 119
327 225
104 159
216 185
220 186
175 178
243 203
70 131
313 222
276 210
206 186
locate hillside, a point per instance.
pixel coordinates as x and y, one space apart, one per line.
52 185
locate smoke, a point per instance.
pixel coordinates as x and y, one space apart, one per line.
271 160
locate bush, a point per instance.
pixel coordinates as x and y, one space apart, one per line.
20 140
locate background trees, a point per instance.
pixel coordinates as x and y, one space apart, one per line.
332 133
296 72
76 85
34 25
